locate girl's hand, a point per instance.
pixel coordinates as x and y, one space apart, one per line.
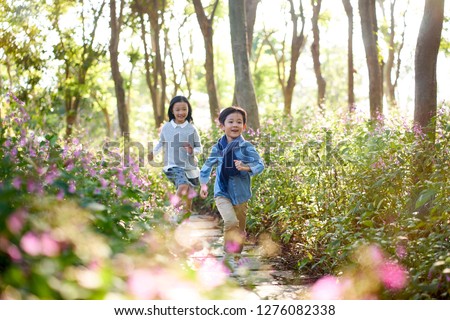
241 166
188 148
203 191
150 156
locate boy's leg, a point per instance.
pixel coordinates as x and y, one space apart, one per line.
241 214
233 239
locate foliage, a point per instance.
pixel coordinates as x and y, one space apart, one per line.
79 224
328 190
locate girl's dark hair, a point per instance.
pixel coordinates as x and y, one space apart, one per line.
179 99
226 112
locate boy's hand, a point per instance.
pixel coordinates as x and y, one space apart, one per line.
241 166
203 191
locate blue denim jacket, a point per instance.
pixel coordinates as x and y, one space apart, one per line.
239 188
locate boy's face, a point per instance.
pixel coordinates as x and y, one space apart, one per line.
180 111
233 125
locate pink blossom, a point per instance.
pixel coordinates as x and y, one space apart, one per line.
121 178
142 284
14 252
31 244
72 188
17 183
7 143
393 275
16 221
14 152
104 182
232 246
401 251
327 288
31 186
60 195
212 273
376 254
49 246
174 199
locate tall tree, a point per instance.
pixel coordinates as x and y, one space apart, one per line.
350 65
288 81
116 22
152 11
369 29
427 49
315 51
206 26
251 7
391 69
77 60
245 92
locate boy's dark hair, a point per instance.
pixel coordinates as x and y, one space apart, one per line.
172 103
226 112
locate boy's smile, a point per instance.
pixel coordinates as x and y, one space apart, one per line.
233 126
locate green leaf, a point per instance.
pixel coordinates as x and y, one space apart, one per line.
424 197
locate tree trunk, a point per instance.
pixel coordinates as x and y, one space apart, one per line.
245 92
250 11
155 74
369 33
350 67
297 43
427 49
159 75
315 50
116 24
389 66
251 7
206 26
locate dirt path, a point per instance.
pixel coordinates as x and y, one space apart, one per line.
257 278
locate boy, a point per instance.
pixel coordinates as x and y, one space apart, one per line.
236 160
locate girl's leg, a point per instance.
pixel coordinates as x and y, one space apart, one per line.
182 193
233 239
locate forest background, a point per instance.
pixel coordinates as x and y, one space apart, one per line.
356 145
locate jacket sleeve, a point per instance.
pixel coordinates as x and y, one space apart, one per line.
252 159
205 172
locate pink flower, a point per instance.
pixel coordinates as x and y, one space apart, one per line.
31 244
393 275
401 251
14 252
60 195
327 288
232 246
212 273
142 284
72 188
16 221
49 246
17 183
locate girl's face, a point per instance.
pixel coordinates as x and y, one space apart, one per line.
233 126
180 111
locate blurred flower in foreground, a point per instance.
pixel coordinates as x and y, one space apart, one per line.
364 279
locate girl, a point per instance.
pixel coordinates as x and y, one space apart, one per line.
180 141
236 160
